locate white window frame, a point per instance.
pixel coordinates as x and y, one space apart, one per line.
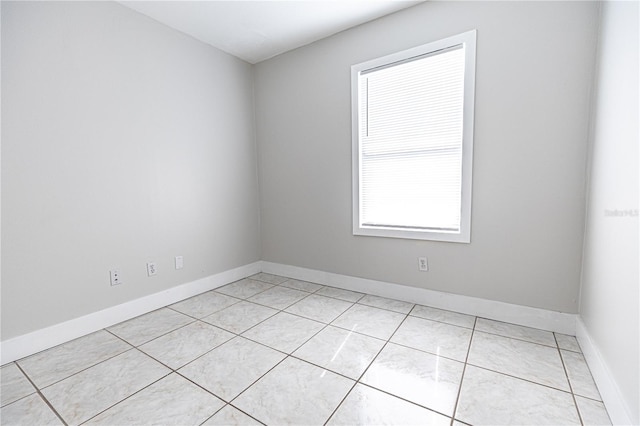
468 39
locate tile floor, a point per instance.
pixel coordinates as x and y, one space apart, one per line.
272 350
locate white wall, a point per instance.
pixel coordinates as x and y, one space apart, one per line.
123 142
610 297
534 72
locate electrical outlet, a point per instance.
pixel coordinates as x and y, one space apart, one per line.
422 264
179 262
115 277
151 269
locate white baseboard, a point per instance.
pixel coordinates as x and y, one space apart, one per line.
609 390
31 343
500 311
28 344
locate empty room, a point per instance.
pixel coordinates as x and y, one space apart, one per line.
320 213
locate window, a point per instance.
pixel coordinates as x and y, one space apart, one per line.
413 142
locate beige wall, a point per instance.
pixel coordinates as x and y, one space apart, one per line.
123 142
534 72
610 296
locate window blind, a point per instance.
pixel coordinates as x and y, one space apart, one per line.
410 126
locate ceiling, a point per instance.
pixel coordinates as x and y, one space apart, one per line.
259 30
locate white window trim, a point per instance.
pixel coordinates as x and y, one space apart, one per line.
464 236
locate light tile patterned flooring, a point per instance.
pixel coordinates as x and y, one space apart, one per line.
272 350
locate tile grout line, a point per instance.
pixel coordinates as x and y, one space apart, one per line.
566 373
357 381
204 316
217 290
180 328
236 335
175 371
286 307
235 408
386 309
226 402
290 355
407 315
570 391
18 399
253 326
440 322
517 325
254 382
244 412
84 369
464 369
301 289
243 331
159 336
337 298
588 371
325 325
213 414
522 379
432 410
40 394
589 398
217 396
517 338
386 343
366 369
207 352
128 396
315 319
432 353
287 355
339 404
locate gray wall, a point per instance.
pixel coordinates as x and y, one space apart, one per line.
534 72
610 297
123 142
